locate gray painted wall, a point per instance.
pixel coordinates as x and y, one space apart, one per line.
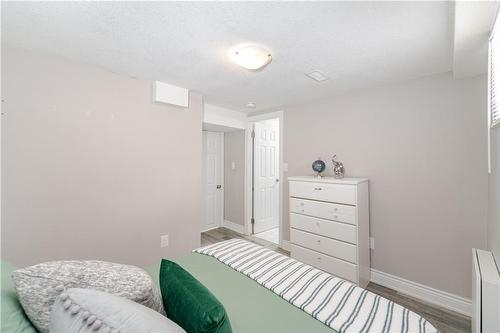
91 168
494 196
234 180
422 144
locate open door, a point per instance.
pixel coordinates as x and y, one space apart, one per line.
266 175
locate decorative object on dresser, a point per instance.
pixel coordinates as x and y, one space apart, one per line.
318 166
329 221
338 168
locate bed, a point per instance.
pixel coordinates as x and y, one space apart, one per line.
261 310
250 306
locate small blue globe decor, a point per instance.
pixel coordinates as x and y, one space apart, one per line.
318 166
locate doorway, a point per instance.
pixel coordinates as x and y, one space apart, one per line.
223 178
265 180
243 177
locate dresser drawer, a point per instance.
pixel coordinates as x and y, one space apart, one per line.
325 210
324 245
339 231
326 263
345 194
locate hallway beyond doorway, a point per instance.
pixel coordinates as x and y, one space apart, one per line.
271 235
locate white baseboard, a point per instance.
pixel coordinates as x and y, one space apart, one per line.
425 293
285 245
234 226
209 229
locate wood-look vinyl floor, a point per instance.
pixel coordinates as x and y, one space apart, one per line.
444 320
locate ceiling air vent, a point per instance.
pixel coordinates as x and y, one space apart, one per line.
317 76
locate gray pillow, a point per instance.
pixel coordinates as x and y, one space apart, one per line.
90 311
38 286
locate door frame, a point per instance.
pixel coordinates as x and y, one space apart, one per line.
248 170
204 161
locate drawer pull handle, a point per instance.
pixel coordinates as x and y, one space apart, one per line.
317 188
336 209
319 241
318 258
302 204
317 224
302 210
335 217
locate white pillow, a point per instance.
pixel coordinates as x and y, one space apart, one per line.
38 286
91 311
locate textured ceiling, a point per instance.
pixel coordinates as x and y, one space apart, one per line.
356 44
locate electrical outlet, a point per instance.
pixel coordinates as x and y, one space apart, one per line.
285 167
233 165
372 243
164 241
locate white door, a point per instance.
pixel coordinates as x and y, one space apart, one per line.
266 175
213 177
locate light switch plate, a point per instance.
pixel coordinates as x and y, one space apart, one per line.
372 243
164 241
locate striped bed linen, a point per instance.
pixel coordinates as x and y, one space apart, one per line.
337 303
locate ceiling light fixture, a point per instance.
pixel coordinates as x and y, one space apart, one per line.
251 105
317 76
251 57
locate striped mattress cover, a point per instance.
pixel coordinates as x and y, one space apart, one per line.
335 302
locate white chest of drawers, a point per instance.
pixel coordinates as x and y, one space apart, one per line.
329 225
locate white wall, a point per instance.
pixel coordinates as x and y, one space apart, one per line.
91 168
422 144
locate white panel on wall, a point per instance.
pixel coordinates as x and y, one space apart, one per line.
229 120
170 94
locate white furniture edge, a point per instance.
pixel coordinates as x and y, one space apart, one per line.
329 180
485 292
234 226
425 293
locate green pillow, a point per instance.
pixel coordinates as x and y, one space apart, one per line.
189 303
